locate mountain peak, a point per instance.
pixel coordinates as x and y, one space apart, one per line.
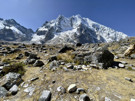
75 29
10 30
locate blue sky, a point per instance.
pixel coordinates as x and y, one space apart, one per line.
117 14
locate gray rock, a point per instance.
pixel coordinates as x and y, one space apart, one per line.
14 89
69 66
46 96
61 89
29 90
52 58
128 79
3 92
132 56
84 97
26 53
33 56
30 61
72 88
79 90
53 64
65 69
10 79
38 63
107 99
20 56
104 57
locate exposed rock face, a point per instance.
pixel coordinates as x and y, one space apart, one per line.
10 79
10 30
75 30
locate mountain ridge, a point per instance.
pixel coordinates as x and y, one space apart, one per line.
75 29
10 30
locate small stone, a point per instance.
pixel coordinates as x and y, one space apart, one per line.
53 81
61 89
128 79
69 66
46 96
72 88
121 65
107 99
33 79
116 57
25 85
14 89
79 90
65 69
84 97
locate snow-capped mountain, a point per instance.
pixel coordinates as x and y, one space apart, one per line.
75 29
10 30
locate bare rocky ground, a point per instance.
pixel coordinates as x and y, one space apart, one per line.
89 72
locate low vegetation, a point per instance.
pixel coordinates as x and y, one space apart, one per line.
14 67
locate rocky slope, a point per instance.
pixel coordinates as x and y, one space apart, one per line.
88 72
75 29
10 30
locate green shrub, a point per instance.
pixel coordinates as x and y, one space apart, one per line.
14 67
8 61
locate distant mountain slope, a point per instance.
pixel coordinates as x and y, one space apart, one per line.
75 29
10 30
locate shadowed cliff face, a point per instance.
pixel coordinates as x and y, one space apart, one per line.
10 30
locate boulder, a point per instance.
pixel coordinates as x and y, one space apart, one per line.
3 92
84 97
10 79
105 57
72 88
45 96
